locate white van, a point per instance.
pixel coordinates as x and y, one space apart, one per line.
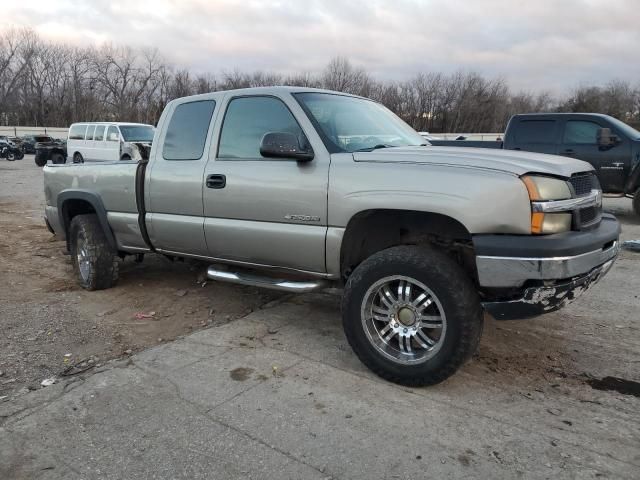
107 141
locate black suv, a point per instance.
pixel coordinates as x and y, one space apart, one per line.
29 142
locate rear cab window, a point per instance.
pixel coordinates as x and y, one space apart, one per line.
187 131
536 132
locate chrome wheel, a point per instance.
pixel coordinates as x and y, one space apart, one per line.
403 319
83 259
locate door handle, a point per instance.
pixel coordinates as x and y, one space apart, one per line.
568 152
216 181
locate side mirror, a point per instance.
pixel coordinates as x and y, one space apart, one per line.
605 139
284 145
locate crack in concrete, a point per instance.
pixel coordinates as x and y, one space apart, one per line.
198 408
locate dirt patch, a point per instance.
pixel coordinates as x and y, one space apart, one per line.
240 374
45 315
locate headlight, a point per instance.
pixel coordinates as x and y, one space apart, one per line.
548 189
545 223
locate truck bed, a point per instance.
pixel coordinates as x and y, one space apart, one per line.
113 184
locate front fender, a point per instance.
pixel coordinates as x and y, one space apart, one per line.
483 201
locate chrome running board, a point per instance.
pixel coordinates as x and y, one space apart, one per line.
263 281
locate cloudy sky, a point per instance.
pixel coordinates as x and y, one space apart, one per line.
534 44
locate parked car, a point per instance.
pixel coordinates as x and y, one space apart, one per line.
29 142
611 146
108 142
298 189
55 150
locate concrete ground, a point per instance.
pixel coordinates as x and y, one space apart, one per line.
278 394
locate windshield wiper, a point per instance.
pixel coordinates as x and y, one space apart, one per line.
375 147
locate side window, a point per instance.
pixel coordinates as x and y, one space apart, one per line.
77 132
112 134
187 131
580 131
536 131
99 135
247 120
90 130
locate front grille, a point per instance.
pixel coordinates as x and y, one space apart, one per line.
583 183
588 215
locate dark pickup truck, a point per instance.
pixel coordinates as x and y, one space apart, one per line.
611 146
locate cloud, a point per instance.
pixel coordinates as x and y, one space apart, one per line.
547 44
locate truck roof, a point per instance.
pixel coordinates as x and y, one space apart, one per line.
563 114
113 123
265 91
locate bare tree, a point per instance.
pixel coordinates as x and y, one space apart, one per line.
46 83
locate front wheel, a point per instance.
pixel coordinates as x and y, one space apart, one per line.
77 158
11 156
412 315
93 258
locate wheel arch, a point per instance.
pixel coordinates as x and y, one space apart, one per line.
78 202
370 231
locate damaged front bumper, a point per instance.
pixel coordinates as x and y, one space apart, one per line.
526 276
544 299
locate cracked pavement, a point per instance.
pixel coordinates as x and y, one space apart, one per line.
278 394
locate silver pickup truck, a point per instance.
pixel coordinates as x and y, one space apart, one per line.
300 189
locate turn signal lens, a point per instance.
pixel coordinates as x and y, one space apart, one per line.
537 219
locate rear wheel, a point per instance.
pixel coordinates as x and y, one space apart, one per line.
636 202
94 260
41 162
412 315
77 158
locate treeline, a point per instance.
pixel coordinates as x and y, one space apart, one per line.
48 84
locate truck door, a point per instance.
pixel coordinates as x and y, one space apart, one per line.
173 181
612 164
266 211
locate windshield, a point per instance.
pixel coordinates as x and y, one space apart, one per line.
356 124
627 130
137 133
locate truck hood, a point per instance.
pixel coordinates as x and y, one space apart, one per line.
510 161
